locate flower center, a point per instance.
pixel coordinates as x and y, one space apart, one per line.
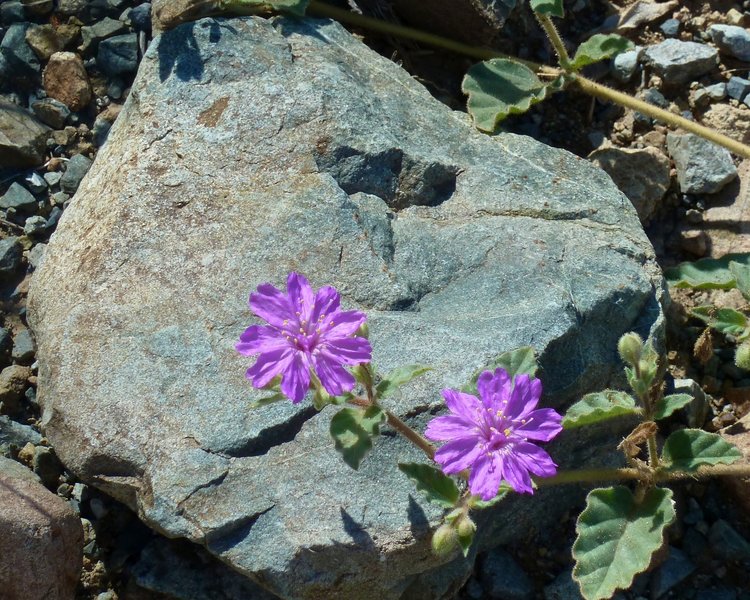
305 336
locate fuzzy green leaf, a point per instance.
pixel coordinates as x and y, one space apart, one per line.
500 87
741 275
352 430
290 7
438 487
599 406
707 273
668 404
548 7
724 320
688 449
515 362
398 377
268 400
617 536
598 47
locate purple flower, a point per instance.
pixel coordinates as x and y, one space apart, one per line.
305 331
491 436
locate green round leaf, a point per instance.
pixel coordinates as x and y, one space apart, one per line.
500 87
688 449
617 537
548 7
599 406
438 487
598 47
668 404
707 273
352 430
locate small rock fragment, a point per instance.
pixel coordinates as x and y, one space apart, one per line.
18 198
119 54
22 138
731 40
641 174
13 381
738 88
642 13
726 543
23 347
695 242
674 570
43 41
35 225
670 27
624 65
75 171
678 62
702 167
10 256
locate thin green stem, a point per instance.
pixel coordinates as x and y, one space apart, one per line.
555 40
632 474
400 426
605 93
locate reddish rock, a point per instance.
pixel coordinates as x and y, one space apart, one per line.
41 539
66 80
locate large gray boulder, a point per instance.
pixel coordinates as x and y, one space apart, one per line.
248 148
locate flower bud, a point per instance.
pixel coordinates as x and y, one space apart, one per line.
466 527
363 331
630 347
742 356
444 540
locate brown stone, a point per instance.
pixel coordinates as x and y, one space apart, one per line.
641 174
41 539
727 220
66 80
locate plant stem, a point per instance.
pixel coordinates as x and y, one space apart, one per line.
606 93
555 40
630 474
400 426
587 86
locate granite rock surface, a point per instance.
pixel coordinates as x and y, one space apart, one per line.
248 148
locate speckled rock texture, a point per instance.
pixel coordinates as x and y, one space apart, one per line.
248 148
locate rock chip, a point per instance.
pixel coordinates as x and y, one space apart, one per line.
22 138
38 7
738 88
449 239
51 112
118 55
726 543
16 434
679 62
13 382
23 347
35 225
671 572
100 30
66 80
641 174
15 48
43 40
18 198
75 171
10 256
41 539
641 12
11 11
702 167
732 40
624 65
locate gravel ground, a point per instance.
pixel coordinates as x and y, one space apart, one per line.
71 63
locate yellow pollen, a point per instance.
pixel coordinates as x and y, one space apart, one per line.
507 432
317 330
286 322
301 330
